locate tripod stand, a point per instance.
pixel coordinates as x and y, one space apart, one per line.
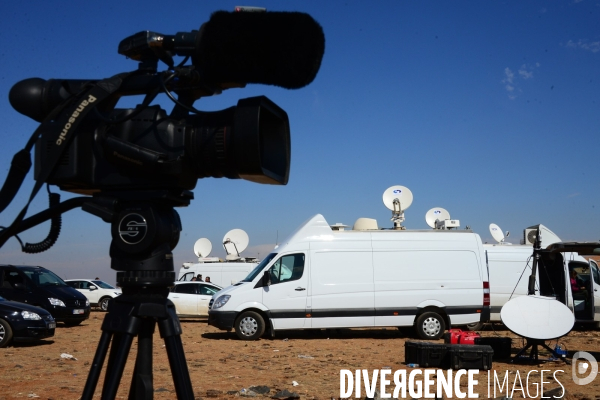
143 237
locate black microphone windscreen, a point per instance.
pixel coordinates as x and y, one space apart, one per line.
273 48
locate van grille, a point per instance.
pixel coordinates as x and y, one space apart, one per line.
210 303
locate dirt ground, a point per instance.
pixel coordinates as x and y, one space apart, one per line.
305 363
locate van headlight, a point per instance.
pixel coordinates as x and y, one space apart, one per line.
30 315
221 301
56 302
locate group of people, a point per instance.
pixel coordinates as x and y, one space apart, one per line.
199 278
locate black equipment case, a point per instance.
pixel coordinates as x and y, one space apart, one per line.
470 356
502 346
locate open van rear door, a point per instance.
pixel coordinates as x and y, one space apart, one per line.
589 304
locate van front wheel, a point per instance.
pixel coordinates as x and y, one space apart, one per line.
249 326
430 325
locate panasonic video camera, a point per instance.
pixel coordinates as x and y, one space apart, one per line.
86 145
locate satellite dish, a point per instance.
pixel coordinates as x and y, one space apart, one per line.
497 233
436 214
234 242
398 199
401 193
537 317
202 247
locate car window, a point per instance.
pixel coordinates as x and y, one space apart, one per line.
595 273
287 268
102 284
208 290
73 284
10 278
43 277
186 288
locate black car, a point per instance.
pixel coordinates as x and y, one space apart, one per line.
20 321
43 288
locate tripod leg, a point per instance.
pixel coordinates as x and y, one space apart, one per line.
170 331
142 381
179 368
92 380
116 364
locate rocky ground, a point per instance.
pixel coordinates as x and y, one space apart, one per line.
303 365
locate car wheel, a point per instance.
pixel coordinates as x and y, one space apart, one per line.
6 333
249 326
103 303
430 325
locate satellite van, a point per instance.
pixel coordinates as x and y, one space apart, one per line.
325 277
510 267
221 273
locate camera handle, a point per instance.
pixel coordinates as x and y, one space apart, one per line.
143 235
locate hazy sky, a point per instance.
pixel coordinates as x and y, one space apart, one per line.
488 109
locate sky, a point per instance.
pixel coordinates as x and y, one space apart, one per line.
490 110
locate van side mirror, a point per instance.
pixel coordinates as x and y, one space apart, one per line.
266 279
92 287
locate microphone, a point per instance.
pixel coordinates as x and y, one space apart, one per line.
273 48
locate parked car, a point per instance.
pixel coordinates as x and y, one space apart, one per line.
191 298
97 292
41 287
19 321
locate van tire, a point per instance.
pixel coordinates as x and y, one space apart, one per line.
6 333
249 325
430 325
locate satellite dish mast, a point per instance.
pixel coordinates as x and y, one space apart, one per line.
397 199
234 242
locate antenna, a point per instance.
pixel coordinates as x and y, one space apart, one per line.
202 247
537 319
497 233
234 242
397 199
439 218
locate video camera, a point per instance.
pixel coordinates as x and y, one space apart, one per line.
86 145
146 148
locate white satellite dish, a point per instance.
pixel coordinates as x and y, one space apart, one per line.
537 317
202 247
402 193
436 214
398 199
234 242
497 233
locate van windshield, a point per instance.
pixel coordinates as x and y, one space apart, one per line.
43 277
259 268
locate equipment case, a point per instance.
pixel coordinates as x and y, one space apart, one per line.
470 356
426 354
502 346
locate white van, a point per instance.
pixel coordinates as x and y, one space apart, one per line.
220 273
324 278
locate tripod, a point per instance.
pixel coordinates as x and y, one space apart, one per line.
142 240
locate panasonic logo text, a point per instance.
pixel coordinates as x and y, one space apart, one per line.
65 131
